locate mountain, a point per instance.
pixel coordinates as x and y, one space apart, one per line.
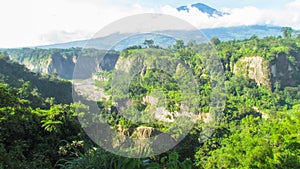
119 41
269 63
109 42
160 38
203 8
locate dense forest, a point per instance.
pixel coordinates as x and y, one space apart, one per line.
258 126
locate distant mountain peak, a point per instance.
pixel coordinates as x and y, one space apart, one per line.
203 8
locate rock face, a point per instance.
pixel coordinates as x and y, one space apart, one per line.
143 132
255 68
63 62
285 71
267 73
62 66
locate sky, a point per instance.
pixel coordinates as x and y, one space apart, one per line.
41 22
218 4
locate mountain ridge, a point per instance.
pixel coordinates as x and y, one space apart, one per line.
223 33
203 8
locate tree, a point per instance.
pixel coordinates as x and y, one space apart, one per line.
286 32
4 56
215 40
179 44
191 43
258 143
148 43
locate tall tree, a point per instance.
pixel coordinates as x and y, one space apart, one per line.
215 40
179 44
286 32
148 43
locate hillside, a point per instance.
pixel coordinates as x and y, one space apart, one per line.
278 60
152 92
270 61
232 104
17 75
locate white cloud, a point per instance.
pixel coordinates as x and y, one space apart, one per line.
248 15
63 36
36 22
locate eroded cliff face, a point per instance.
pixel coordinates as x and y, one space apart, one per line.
285 71
86 66
282 69
267 73
63 66
255 68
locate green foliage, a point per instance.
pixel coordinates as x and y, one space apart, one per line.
272 143
215 41
286 32
18 76
257 129
25 139
98 158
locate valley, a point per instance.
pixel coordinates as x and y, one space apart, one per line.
169 85
222 109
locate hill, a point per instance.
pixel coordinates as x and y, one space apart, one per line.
17 75
251 92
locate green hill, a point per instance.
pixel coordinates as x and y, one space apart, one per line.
240 109
17 75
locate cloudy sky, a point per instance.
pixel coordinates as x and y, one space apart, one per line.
40 22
